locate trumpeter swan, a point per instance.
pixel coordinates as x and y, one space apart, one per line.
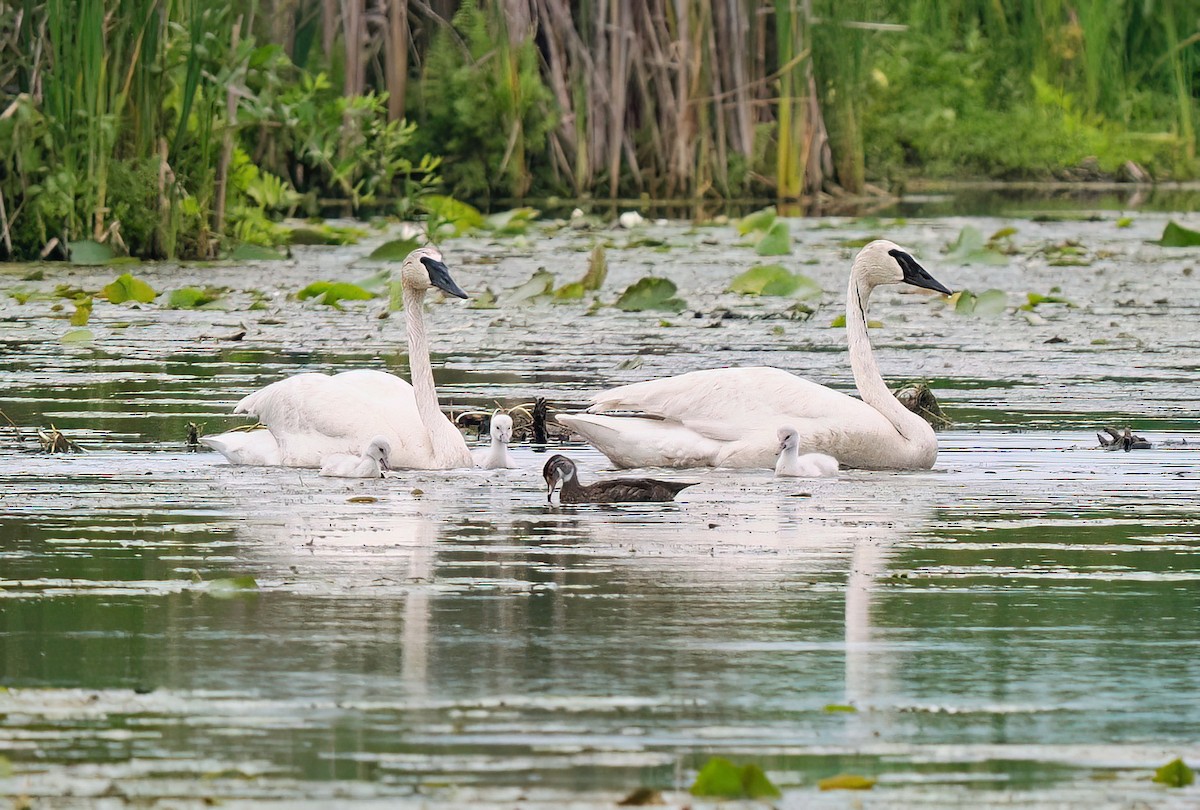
370 464
496 455
729 417
311 416
560 470
793 465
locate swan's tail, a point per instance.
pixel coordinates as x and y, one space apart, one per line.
252 447
635 441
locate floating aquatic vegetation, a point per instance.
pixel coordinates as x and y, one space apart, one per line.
651 293
483 300
840 321
846 781
775 242
332 293
511 223
53 441
128 288
539 285
1034 300
255 253
1124 222
592 280
194 432
759 221
77 336
774 279
394 251
839 707
83 311
1068 253
720 778
193 297
230 587
1175 774
450 216
969 248
641 797
1175 235
988 303
325 234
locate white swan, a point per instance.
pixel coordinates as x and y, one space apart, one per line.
793 465
729 417
370 464
496 455
310 416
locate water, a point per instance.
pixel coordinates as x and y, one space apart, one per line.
1018 626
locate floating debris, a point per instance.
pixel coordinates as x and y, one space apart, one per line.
1123 441
921 401
53 441
194 432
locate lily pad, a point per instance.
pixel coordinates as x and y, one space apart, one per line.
1174 235
840 321
230 587
77 336
1175 773
255 253
483 300
758 221
774 279
462 216
511 223
193 297
87 251
331 293
988 303
651 293
396 250
969 248
540 284
846 781
83 311
720 778
127 288
592 280
777 241
1036 299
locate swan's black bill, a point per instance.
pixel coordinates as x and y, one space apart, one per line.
439 276
917 275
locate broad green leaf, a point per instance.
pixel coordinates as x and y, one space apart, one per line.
592 280
88 252
1175 774
969 248
511 223
193 297
127 288
774 279
541 283
570 292
1036 299
77 336
255 253
964 302
839 707
330 293
230 587
325 235
462 216
650 293
83 311
396 250
483 300
758 221
846 781
1124 222
991 303
840 321
776 242
1174 235
720 778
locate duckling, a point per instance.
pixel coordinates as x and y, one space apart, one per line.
370 464
809 465
561 470
496 456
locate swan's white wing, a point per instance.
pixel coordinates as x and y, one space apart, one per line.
253 447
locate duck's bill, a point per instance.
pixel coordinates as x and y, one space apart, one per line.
550 487
917 275
439 276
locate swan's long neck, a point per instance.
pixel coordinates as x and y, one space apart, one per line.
498 452
421 373
874 391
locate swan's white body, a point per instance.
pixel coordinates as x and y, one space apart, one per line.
311 416
792 464
496 455
730 417
370 464
254 447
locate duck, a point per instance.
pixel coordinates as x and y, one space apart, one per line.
728 417
1123 441
793 465
496 456
369 464
560 470
310 416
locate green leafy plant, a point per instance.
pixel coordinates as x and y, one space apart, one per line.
1175 235
774 279
332 293
1175 774
720 778
128 288
651 293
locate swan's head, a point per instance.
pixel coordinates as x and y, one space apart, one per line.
379 449
502 428
884 262
558 469
789 439
423 268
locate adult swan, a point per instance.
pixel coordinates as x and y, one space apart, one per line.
730 417
311 416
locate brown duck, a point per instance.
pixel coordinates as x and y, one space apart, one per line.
560 470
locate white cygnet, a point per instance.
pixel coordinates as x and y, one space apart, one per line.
369 464
496 456
792 464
